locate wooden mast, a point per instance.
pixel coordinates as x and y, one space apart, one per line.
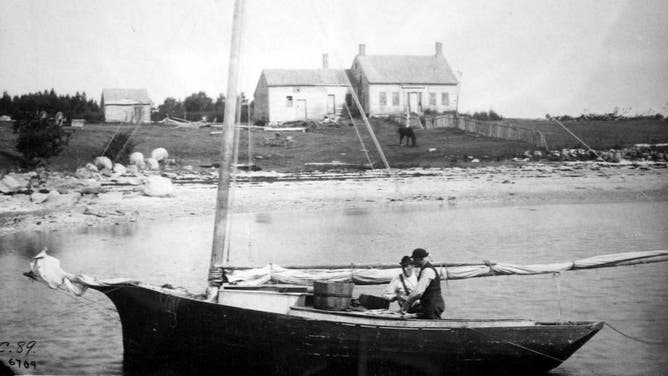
227 155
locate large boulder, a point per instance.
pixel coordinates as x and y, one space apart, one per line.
84 173
38 198
152 164
159 154
13 183
119 168
90 186
132 169
157 186
137 159
103 163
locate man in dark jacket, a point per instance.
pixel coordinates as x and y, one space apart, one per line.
428 289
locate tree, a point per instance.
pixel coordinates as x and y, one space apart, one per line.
40 138
199 105
6 104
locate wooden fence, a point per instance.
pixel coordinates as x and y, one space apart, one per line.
504 130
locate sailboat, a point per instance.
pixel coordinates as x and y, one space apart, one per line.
274 327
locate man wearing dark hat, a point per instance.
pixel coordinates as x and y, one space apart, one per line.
402 285
428 288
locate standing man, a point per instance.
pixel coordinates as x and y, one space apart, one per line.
428 289
403 284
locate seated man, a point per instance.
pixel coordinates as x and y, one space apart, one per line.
428 289
402 285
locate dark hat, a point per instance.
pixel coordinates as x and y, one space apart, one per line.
419 253
405 261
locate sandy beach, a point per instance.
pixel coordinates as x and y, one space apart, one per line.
526 184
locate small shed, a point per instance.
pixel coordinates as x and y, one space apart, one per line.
300 94
388 84
126 106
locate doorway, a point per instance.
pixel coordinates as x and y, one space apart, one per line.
413 102
300 109
331 104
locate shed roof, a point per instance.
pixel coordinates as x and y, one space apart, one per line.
403 69
305 77
125 96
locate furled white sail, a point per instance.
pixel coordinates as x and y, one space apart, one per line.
364 275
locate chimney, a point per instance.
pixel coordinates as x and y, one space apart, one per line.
325 63
439 49
362 50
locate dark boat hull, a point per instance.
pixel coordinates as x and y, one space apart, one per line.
167 334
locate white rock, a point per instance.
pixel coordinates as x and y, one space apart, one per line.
53 195
137 159
103 163
475 160
12 184
159 154
132 169
84 173
157 186
90 186
91 167
119 169
152 164
38 198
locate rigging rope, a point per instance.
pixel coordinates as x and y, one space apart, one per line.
111 139
598 157
359 136
516 345
353 94
645 341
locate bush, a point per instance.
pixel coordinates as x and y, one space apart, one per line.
119 147
486 116
40 138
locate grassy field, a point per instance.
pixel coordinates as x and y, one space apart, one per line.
599 135
198 147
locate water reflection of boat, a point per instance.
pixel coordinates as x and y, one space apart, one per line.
275 329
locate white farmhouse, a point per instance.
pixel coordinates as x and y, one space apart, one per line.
389 84
126 106
299 94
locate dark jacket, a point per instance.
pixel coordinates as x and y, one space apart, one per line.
432 300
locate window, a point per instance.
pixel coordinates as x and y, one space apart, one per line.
288 101
445 99
383 98
395 98
432 99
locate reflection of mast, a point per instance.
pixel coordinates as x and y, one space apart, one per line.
227 155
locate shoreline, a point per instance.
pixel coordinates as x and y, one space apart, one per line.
533 184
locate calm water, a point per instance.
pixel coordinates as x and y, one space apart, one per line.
83 336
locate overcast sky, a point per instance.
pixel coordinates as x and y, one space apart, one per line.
522 58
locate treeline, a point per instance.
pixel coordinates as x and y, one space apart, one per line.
616 114
198 106
25 106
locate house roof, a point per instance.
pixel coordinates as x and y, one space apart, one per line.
402 69
305 77
125 96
